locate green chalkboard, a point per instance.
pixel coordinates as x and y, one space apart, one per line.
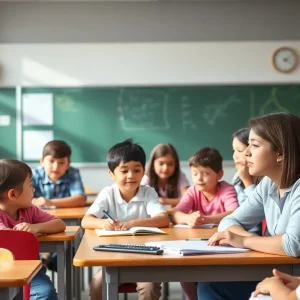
91 120
8 136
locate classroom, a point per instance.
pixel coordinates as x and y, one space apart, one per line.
94 73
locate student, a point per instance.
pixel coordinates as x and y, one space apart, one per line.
243 182
129 204
18 213
273 152
164 174
281 286
56 183
208 200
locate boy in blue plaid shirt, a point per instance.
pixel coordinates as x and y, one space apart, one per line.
56 183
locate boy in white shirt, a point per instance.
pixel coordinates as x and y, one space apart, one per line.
129 204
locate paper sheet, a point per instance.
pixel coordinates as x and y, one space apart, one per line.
37 109
34 141
205 226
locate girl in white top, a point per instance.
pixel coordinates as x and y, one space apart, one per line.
164 174
281 286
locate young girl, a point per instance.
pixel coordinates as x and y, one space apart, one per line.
273 152
243 182
18 213
164 174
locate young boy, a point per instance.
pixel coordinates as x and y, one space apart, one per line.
207 200
129 204
18 213
55 182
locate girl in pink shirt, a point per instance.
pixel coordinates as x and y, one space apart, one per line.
164 174
208 200
18 213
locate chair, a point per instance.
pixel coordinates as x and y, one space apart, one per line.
263 227
127 288
6 255
24 246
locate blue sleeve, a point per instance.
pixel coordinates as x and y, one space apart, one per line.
76 185
35 183
249 214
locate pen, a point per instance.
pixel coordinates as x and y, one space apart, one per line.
197 239
108 216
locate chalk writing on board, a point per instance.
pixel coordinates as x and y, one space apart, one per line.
186 114
213 112
65 103
272 104
143 109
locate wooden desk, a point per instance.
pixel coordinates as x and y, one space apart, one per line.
70 213
89 192
126 267
16 274
61 243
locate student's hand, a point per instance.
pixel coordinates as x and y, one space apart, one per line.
265 286
111 225
41 201
195 219
127 225
33 228
289 281
243 172
227 238
162 200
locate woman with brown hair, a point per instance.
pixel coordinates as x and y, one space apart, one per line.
273 152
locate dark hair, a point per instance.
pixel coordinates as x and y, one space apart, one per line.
13 173
243 136
125 152
281 130
172 184
57 149
207 157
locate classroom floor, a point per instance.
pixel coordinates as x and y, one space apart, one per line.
175 291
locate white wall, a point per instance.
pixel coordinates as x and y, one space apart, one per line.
104 64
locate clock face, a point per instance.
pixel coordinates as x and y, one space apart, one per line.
285 60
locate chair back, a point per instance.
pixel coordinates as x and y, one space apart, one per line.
6 255
24 245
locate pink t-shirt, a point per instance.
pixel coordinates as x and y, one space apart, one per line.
32 215
224 200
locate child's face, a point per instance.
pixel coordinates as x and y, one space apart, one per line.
128 176
164 166
55 167
23 199
205 179
239 156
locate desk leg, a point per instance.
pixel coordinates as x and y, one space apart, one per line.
61 271
69 270
11 293
111 279
4 293
78 271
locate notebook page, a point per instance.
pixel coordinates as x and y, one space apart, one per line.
146 230
203 226
101 232
195 247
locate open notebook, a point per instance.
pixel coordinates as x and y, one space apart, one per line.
183 248
203 226
131 231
